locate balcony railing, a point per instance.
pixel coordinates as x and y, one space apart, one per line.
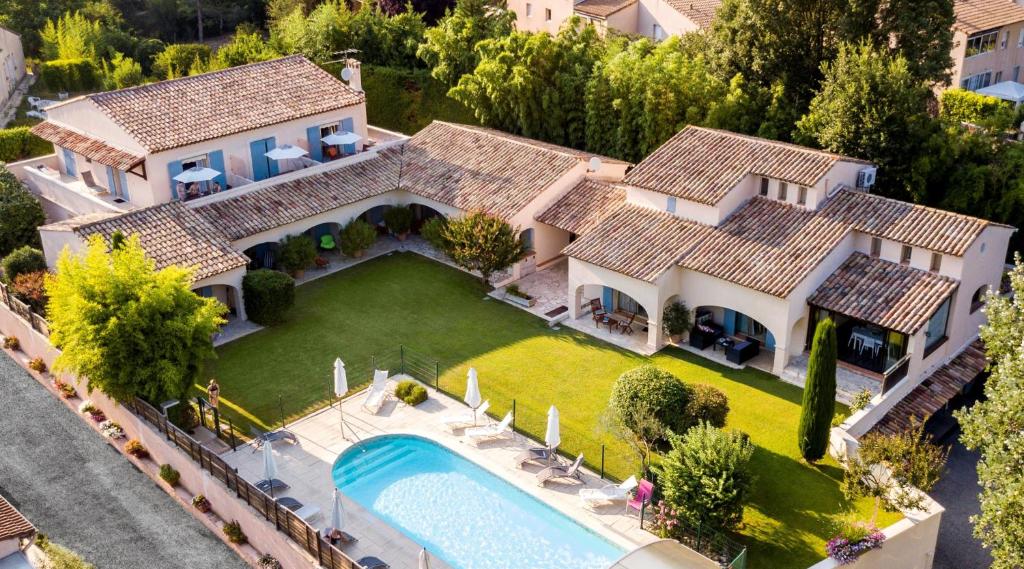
42 177
895 373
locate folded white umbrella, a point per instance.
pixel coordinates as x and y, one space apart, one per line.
472 397
269 466
551 436
341 137
285 152
197 174
424 559
337 512
340 378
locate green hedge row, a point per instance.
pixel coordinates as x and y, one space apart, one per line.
18 144
406 100
69 75
961 105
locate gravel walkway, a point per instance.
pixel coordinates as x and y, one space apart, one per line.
957 491
83 494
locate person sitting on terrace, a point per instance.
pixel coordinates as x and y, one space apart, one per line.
180 188
215 187
193 191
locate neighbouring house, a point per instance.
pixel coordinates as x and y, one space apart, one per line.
16 535
121 150
988 43
656 19
12 60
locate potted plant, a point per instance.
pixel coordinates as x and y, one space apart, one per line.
87 408
12 343
852 540
37 365
169 475
135 448
111 430
399 220
676 321
66 390
357 237
321 262
268 561
516 295
297 253
234 532
201 503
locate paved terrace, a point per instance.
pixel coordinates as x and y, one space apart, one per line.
307 468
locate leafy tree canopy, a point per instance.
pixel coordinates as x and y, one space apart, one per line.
449 48
482 242
21 214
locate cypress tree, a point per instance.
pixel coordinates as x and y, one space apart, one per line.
819 393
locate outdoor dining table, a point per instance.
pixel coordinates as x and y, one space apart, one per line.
866 339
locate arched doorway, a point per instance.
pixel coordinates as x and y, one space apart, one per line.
422 214
740 336
227 295
375 217
263 255
612 310
325 235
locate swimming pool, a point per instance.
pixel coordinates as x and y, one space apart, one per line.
462 513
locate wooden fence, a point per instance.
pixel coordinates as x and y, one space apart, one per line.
23 310
284 520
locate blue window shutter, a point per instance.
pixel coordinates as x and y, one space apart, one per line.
316 151
769 340
217 163
69 162
260 170
111 184
606 298
729 321
124 184
173 169
271 143
347 124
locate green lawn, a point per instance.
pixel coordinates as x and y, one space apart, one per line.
438 311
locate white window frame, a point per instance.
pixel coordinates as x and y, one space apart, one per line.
529 10
1005 41
1020 38
658 32
783 191
801 196
983 42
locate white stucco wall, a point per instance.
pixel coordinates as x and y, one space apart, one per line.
561 10
12 64
650 12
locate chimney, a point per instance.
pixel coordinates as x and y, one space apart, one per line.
355 79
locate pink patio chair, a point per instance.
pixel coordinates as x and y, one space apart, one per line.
644 493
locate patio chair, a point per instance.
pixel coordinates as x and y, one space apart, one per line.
466 418
327 242
259 437
371 562
378 393
265 486
610 493
539 454
627 327
597 312
644 493
494 430
561 471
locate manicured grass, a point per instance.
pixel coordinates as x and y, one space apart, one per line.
440 312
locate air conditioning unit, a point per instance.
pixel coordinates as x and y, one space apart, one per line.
866 177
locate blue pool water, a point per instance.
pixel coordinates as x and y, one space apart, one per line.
462 513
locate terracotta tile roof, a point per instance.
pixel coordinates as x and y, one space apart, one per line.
91 148
702 164
980 15
175 113
766 245
601 8
638 242
888 294
476 168
700 12
934 392
917 225
273 206
584 206
13 525
172 234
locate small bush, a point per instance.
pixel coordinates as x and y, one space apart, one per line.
69 75
356 237
433 232
234 532
961 105
416 396
676 319
403 388
18 143
37 365
838 418
268 296
135 448
21 261
87 408
201 503
298 252
111 430
66 390
268 561
707 404
58 557
30 288
662 392
861 400
852 539
399 219
514 290
169 475
12 343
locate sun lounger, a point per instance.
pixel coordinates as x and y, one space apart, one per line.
560 471
543 455
372 563
491 431
305 512
266 485
259 437
467 418
608 494
378 392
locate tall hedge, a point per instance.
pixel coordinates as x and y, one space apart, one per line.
69 75
19 143
20 214
407 100
961 105
819 404
268 296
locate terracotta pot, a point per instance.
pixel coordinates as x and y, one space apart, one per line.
358 254
402 236
299 273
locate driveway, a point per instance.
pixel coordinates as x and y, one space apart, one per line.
957 491
83 494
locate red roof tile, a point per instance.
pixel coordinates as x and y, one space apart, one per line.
980 15
91 148
584 206
13 525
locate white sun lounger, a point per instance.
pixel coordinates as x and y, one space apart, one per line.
608 494
467 418
378 392
491 431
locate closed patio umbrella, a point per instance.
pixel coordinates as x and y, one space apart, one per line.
551 436
285 152
424 559
269 466
197 174
337 512
472 397
340 389
341 137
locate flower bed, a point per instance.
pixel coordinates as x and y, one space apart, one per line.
853 540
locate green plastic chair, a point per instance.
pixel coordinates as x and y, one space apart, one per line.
327 242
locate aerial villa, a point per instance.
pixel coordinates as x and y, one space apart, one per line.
759 239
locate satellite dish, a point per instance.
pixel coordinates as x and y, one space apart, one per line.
595 164
346 73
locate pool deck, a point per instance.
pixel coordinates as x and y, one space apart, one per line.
307 468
